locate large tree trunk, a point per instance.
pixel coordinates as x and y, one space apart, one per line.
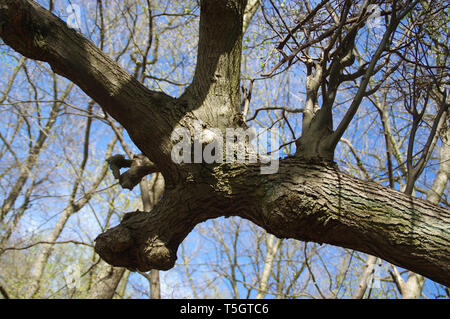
305 200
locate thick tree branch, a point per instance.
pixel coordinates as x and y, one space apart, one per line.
213 95
384 44
303 201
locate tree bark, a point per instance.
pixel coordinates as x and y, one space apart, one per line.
303 201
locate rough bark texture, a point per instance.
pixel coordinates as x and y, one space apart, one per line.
303 201
307 201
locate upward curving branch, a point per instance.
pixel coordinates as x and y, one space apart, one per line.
214 93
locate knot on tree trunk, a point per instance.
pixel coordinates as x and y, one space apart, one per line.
120 247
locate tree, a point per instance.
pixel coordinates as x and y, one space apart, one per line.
309 198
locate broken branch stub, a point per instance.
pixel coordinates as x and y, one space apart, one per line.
139 167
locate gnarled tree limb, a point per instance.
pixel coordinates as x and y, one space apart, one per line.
302 201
